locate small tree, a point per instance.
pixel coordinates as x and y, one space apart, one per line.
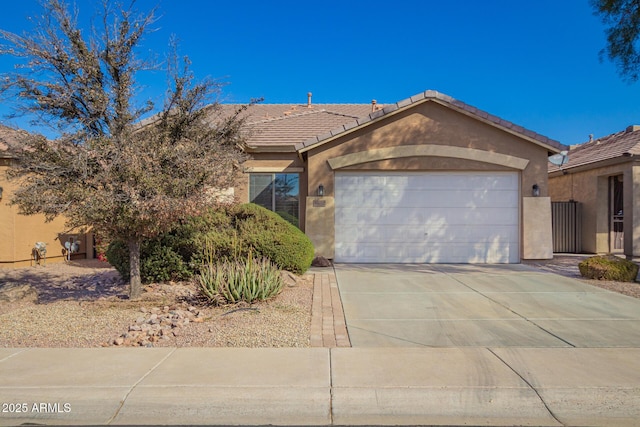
622 18
105 169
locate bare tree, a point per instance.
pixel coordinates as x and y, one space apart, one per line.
622 18
105 168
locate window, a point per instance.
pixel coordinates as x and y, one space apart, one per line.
278 192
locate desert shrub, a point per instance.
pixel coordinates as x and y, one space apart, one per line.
289 218
267 235
118 256
609 267
158 262
248 280
162 263
231 233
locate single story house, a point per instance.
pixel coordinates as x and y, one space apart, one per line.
603 177
428 179
19 233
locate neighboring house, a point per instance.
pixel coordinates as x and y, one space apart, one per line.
603 177
19 233
427 179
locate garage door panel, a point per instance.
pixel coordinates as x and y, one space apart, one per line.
468 235
427 217
412 198
479 216
435 217
419 253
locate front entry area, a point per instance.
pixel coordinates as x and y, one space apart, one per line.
616 214
427 217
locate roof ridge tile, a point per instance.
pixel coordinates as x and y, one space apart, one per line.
287 116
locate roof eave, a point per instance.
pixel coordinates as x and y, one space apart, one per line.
547 143
625 158
439 98
271 148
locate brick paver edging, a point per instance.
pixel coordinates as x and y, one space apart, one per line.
328 326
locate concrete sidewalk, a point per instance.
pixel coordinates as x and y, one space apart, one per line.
321 386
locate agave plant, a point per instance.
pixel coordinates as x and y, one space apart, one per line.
231 282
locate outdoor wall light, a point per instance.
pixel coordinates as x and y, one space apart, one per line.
535 190
320 190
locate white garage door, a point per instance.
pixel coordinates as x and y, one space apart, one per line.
431 217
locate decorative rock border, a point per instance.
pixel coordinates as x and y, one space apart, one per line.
157 324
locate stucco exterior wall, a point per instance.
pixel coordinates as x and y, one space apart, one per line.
590 187
19 233
321 213
430 123
536 225
433 125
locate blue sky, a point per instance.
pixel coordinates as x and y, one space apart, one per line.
535 63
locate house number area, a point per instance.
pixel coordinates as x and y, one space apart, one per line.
38 407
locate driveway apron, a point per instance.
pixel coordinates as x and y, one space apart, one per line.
447 305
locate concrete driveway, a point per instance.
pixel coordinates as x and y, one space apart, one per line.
392 305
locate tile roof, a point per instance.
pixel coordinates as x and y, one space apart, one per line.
431 95
8 137
617 145
302 126
290 124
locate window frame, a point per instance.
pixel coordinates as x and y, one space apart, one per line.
272 184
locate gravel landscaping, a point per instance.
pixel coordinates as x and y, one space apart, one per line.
84 304
567 265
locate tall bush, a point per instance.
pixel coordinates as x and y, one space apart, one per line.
232 233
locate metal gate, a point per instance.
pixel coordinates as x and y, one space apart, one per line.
566 224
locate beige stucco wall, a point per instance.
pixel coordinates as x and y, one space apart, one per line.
433 124
590 187
19 233
429 123
536 228
321 213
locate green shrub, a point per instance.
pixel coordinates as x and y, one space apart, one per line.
231 233
609 267
289 218
118 256
162 263
158 262
267 235
249 280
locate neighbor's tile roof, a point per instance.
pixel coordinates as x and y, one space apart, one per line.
620 144
8 137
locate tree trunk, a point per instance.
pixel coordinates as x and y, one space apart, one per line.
135 283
